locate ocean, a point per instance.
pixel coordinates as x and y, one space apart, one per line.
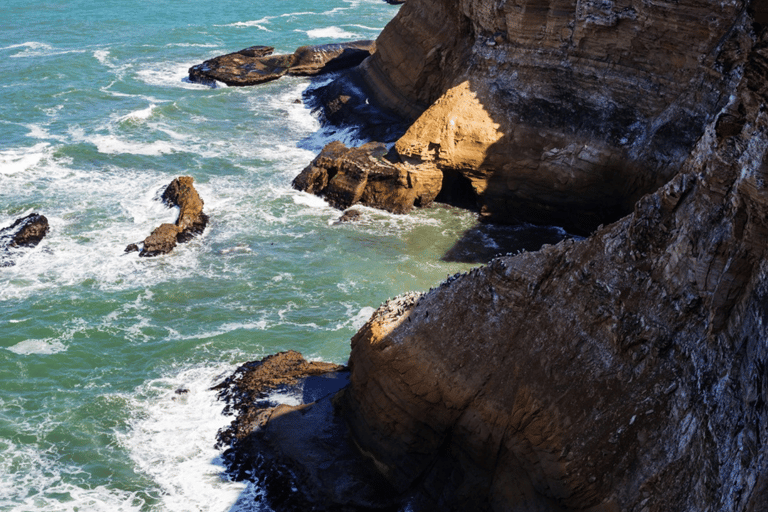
96 118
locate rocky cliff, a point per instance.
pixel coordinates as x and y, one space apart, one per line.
624 372
558 111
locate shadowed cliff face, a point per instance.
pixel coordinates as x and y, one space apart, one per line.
558 111
623 372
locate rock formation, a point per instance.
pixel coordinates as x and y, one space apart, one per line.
266 439
547 110
625 372
346 176
622 372
27 231
256 64
190 222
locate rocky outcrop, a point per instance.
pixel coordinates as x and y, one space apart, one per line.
623 372
347 176
301 454
256 64
190 222
25 232
552 111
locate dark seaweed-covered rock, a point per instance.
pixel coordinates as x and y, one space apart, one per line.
24 232
284 446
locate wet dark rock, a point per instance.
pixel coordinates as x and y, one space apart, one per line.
350 215
25 232
256 65
346 102
132 248
282 446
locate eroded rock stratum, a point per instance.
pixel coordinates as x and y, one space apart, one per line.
552 111
625 372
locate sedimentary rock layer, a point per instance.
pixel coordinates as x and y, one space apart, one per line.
625 372
557 111
347 176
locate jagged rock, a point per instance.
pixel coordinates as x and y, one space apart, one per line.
283 446
256 64
346 176
191 220
554 112
27 231
623 372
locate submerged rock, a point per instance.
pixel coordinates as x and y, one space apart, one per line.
26 232
190 222
256 64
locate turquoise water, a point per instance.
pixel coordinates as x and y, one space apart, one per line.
95 120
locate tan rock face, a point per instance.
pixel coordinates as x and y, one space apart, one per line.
626 371
347 176
567 111
190 222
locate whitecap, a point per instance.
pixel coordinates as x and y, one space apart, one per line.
44 347
33 480
330 33
139 115
169 74
172 431
38 49
18 160
112 145
249 24
103 57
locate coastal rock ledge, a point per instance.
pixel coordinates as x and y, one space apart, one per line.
624 372
548 111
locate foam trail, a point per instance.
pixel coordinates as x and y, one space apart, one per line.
171 440
32 480
330 33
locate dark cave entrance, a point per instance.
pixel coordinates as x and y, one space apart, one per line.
457 190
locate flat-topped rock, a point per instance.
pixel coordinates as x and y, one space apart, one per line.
256 64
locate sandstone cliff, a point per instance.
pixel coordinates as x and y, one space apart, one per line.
625 372
552 111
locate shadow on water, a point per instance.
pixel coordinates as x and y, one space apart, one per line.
483 242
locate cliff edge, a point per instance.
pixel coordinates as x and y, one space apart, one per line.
624 372
550 111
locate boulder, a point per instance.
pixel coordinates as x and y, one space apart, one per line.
347 176
25 232
256 64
